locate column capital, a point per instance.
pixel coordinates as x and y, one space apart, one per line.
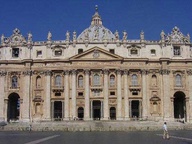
86 71
144 71
73 71
27 73
118 71
189 72
164 72
48 73
105 71
125 71
3 73
66 72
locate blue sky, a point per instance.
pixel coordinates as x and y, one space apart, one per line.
58 16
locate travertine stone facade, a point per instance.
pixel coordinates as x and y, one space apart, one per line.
97 75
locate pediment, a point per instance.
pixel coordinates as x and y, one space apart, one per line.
95 54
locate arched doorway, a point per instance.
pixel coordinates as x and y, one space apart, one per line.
13 110
179 105
80 113
96 110
112 113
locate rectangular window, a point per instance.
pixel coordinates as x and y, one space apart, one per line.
80 51
112 93
134 93
15 52
134 52
176 51
39 53
80 94
112 51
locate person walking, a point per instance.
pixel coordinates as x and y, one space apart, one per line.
165 131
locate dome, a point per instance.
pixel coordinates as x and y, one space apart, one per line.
96 31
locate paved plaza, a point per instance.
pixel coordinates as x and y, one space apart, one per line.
144 137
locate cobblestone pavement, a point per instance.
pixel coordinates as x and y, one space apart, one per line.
142 137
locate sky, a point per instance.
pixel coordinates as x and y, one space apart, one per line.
59 16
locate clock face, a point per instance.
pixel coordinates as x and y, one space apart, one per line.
96 54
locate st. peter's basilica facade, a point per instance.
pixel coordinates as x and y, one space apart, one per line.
97 75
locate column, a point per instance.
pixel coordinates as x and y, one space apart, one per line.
47 108
52 110
66 93
119 97
144 92
73 94
2 94
106 95
130 109
63 110
189 110
91 108
87 102
126 100
166 96
25 109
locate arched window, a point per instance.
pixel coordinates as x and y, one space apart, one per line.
80 81
153 52
112 81
134 80
14 82
178 80
96 80
154 80
134 51
38 82
58 80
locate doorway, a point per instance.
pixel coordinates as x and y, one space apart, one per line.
135 109
13 111
179 105
96 110
57 110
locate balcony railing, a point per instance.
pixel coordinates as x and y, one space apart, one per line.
58 88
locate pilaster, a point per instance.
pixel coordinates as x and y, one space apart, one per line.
74 114
119 97
87 102
189 111
126 100
66 93
106 94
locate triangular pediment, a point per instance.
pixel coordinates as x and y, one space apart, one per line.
95 54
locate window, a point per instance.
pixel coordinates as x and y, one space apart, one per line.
134 52
14 82
39 53
57 94
176 51
178 80
80 81
134 93
154 80
80 94
38 82
134 80
112 81
112 93
153 52
58 52
112 51
15 52
96 80
58 80
80 51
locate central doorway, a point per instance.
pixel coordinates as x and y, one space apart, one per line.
96 110
57 110
13 111
135 109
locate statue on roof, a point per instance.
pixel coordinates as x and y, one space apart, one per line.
116 35
67 35
142 35
29 37
162 35
49 36
124 35
74 35
2 39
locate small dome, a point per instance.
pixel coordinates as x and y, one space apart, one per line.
96 31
